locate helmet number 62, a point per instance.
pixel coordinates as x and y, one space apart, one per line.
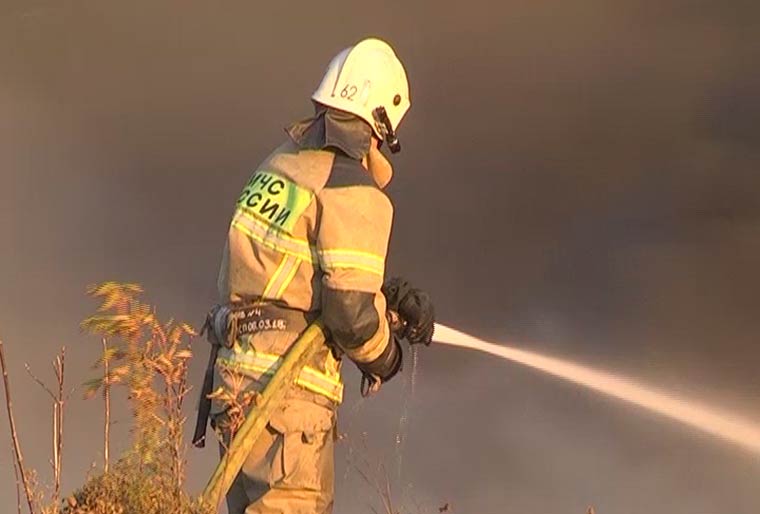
348 92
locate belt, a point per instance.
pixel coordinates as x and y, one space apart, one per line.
251 319
224 325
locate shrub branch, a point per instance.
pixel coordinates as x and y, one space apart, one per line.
14 435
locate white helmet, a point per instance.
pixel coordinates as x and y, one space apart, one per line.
368 80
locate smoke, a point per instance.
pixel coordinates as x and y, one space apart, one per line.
583 175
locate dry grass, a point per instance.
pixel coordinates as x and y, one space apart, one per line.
132 487
149 358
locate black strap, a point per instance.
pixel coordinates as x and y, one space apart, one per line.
204 405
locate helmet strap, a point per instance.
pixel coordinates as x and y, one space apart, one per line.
385 128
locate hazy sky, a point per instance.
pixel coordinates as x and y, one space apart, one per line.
582 178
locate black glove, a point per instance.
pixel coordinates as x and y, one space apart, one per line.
414 308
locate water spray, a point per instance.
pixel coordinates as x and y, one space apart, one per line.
702 417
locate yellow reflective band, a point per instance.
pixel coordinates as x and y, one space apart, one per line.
269 361
348 251
356 259
289 278
272 237
309 378
274 277
334 395
270 367
281 278
342 265
332 380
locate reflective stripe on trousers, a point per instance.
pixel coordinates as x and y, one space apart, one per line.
254 363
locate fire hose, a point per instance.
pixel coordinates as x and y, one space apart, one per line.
256 421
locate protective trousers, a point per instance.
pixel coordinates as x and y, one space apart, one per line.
290 469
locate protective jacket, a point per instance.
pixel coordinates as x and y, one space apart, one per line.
310 232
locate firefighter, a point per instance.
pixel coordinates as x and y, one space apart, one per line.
308 239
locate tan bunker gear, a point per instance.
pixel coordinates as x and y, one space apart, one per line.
309 235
